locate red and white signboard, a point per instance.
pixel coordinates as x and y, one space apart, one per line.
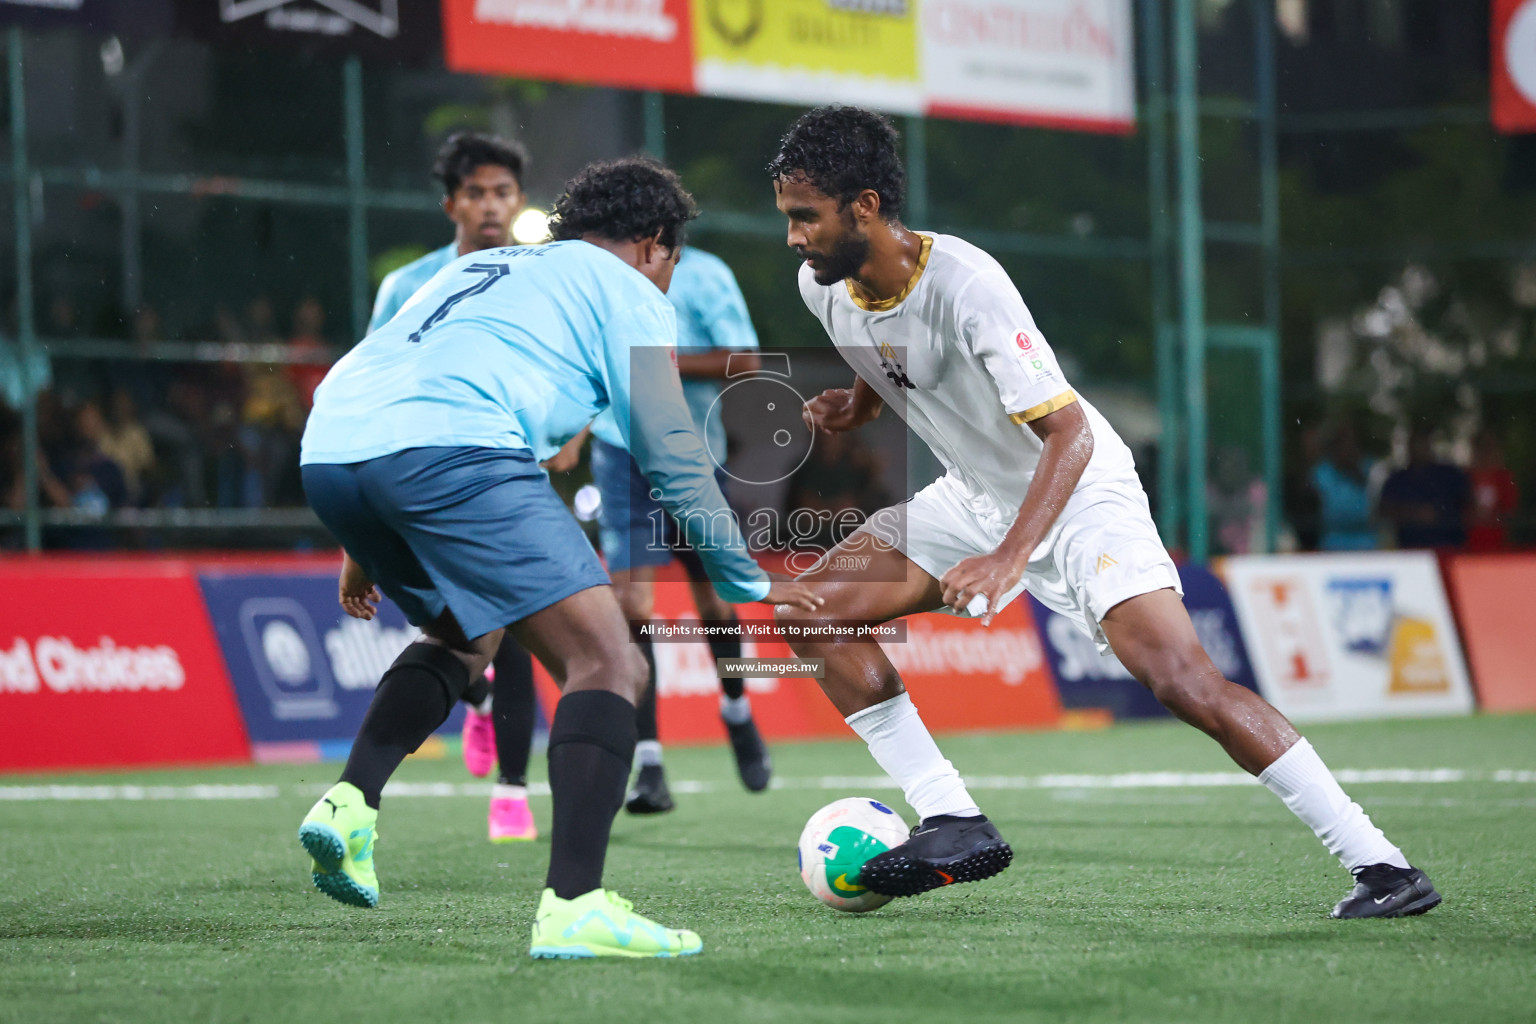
111 664
1340 636
1514 66
1056 63
634 44
962 676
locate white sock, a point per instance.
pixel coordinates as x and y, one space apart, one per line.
901 745
648 753
501 791
736 710
1303 782
484 707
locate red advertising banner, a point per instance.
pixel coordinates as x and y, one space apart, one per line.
961 675
1513 83
634 44
110 663
1492 596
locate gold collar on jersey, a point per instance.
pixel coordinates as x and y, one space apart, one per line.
886 305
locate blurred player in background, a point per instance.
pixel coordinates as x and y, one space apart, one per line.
482 179
421 457
714 336
1040 493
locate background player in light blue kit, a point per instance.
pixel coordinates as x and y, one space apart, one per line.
421 456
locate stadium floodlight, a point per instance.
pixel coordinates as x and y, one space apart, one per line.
531 227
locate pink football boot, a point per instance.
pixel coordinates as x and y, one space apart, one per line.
479 743
511 820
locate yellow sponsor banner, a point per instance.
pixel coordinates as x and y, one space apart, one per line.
812 51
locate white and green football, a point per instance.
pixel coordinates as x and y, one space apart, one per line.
837 841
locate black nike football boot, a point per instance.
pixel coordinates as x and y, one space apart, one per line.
650 794
1382 890
752 762
941 850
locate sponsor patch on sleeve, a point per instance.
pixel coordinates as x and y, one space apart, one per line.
1031 351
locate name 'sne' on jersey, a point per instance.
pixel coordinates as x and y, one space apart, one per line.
519 348
958 356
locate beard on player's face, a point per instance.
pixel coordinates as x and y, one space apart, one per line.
843 257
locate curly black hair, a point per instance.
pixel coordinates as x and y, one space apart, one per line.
462 152
624 200
842 151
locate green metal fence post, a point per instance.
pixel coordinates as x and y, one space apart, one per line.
1269 220
1165 337
654 114
357 184
1186 48
26 325
917 171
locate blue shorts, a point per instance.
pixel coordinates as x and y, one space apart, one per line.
476 530
634 529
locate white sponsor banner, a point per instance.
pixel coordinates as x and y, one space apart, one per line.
1065 63
1341 636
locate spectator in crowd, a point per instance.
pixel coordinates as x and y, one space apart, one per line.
1427 501
308 340
84 479
1236 498
178 427
1495 495
1341 480
127 442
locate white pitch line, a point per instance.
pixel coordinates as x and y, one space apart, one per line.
844 783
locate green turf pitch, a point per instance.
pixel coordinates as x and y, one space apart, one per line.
1178 903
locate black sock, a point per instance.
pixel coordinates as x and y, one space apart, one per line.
729 647
645 710
412 700
477 691
591 744
513 712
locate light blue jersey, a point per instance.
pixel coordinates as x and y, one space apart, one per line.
519 348
711 314
401 283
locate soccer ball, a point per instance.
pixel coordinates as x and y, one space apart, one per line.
837 841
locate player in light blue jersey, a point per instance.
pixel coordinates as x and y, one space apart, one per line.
482 179
421 456
714 337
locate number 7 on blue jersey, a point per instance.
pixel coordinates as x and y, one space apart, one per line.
493 272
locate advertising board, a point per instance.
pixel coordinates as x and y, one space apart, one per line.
1340 636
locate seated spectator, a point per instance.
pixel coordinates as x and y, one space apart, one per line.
1341 480
1495 495
1237 500
308 339
84 479
126 442
1427 501
13 478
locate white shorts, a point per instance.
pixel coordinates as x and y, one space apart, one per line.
1103 550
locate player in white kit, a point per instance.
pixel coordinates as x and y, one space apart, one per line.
1040 493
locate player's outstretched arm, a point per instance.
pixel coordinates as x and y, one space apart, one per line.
839 409
359 597
1068 441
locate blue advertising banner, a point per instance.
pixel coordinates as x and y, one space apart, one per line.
303 670
1087 679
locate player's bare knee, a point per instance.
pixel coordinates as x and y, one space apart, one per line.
795 624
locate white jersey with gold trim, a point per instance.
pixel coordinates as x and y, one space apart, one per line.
959 357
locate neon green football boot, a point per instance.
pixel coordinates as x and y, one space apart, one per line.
339 834
602 923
